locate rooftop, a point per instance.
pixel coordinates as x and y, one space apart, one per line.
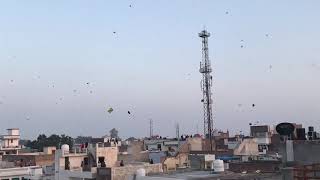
226 175
13 129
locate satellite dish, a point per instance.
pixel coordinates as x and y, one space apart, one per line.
285 129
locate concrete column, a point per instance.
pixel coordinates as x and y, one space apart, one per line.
287 173
289 151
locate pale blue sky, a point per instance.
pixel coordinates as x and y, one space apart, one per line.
144 67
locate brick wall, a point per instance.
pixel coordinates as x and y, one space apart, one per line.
44 160
30 160
123 173
138 157
109 153
171 163
263 166
20 160
206 145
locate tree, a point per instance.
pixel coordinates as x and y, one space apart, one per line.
83 139
53 140
131 139
24 142
114 133
66 140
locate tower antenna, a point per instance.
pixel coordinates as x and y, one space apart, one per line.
177 131
205 70
151 127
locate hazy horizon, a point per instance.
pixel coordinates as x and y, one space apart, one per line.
64 63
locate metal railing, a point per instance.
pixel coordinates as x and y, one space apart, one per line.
10 147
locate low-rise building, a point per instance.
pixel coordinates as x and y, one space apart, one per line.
201 161
9 143
161 144
45 158
262 135
134 152
247 149
96 162
300 152
30 159
22 173
83 163
180 160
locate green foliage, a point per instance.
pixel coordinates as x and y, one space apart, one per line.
114 133
53 140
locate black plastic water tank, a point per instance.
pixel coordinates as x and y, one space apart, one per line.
301 133
311 129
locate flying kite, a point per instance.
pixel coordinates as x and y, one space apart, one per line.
110 110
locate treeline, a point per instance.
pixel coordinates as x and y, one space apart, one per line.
53 140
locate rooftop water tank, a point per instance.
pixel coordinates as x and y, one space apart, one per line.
218 165
311 128
65 148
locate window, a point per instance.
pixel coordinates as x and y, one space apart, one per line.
101 162
86 161
12 142
262 148
66 163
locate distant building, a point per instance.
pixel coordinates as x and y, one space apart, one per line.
233 142
220 134
262 136
301 152
10 142
247 149
30 159
107 140
296 126
201 161
22 173
83 163
96 161
161 144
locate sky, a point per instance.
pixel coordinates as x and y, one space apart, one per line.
64 63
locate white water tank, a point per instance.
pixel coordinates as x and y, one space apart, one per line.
218 165
141 172
65 148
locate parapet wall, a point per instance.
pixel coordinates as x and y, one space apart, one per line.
30 160
251 167
301 152
123 173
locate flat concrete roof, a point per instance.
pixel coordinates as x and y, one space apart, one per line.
225 175
27 154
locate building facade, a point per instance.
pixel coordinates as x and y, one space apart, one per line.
10 142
